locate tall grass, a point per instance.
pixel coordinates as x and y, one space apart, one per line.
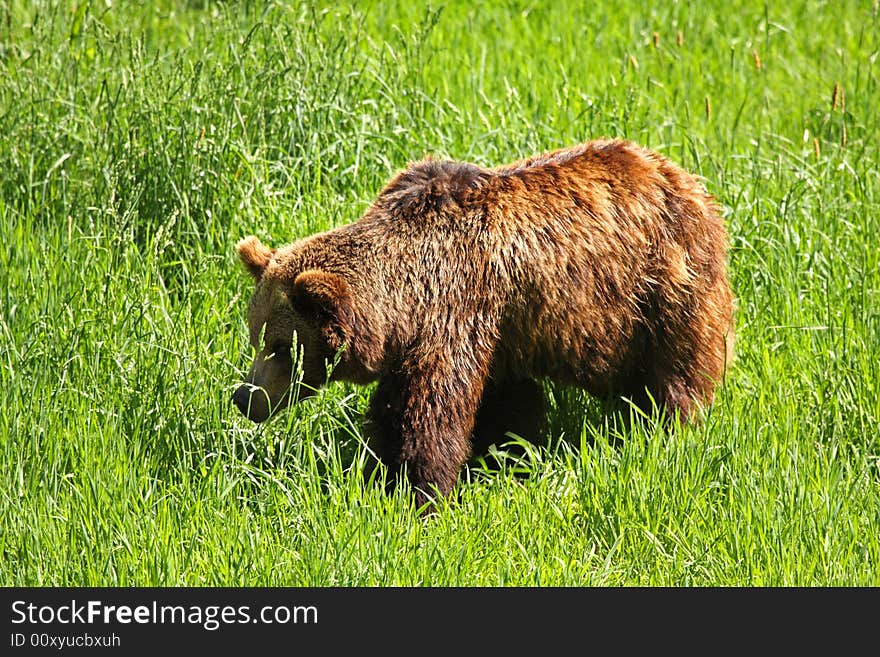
139 141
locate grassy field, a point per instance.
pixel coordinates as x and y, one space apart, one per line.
140 140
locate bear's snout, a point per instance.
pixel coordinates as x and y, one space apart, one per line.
252 403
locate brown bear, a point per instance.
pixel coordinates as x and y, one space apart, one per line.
461 287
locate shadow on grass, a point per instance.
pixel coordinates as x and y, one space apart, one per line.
574 420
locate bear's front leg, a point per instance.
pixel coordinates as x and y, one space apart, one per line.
422 416
517 406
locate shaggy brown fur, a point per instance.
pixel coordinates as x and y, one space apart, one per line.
601 266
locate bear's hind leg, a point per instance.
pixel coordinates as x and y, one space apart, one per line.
683 381
693 347
676 397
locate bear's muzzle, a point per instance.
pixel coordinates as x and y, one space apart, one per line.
252 401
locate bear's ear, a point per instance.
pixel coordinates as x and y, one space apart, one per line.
254 255
322 292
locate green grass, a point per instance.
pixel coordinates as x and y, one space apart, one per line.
140 140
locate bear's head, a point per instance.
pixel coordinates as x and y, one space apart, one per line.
299 323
